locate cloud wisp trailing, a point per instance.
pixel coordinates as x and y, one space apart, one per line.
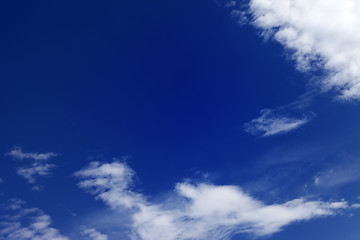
283 119
17 153
22 223
320 35
38 167
276 121
199 211
338 175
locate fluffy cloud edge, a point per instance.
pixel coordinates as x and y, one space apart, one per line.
200 211
313 38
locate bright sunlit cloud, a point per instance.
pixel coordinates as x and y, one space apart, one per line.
202 211
320 35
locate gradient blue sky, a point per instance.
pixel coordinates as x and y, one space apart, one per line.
180 94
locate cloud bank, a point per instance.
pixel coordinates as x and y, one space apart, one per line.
320 34
23 223
201 211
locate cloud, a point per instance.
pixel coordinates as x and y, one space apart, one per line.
196 211
23 223
320 35
36 169
39 166
93 234
272 122
15 204
17 153
1 180
338 176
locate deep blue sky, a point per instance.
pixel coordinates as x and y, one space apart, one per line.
168 85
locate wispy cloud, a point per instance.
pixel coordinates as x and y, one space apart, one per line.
38 167
338 175
198 211
21 223
92 234
315 40
34 170
272 122
17 153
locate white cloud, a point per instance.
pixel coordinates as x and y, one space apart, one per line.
1 180
34 170
93 234
110 182
27 224
39 166
320 34
17 153
197 211
272 122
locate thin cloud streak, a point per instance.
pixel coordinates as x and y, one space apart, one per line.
338 175
17 153
201 211
283 119
272 122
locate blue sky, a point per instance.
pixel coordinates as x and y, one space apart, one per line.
185 120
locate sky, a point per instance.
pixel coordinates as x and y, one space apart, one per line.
180 120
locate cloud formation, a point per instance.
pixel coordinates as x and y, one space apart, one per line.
39 166
320 34
23 223
338 175
92 234
17 153
198 211
272 122
34 170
